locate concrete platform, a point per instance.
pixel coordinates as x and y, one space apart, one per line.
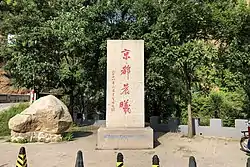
125 138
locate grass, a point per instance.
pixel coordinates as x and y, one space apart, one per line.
7 114
21 141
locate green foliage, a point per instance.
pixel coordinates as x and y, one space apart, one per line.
191 47
21 141
220 104
68 136
6 115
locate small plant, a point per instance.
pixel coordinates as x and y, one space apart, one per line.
68 136
74 125
21 141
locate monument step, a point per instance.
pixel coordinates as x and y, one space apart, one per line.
125 138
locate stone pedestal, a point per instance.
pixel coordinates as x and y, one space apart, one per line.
125 138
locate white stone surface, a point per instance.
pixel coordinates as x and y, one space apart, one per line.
118 114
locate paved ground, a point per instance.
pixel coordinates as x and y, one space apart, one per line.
5 106
173 151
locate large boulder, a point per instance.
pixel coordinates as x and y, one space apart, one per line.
48 115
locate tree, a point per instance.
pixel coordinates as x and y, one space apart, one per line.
231 30
189 58
69 37
177 36
66 40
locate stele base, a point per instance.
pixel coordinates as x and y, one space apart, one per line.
125 138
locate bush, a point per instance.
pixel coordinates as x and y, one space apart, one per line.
6 115
223 104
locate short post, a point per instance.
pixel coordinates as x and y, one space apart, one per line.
119 160
192 162
155 161
32 96
79 159
21 159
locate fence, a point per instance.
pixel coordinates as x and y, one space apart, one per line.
13 98
215 129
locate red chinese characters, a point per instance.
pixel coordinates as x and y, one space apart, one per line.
113 91
125 106
126 69
125 89
125 54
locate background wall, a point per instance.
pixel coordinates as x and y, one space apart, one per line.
12 98
215 128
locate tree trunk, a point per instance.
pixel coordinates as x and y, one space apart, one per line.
156 108
71 103
216 114
190 121
147 114
178 110
37 91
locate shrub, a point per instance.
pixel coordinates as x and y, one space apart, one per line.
7 114
223 104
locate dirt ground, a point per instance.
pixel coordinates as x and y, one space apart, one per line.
173 151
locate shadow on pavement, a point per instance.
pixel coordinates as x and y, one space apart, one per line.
78 134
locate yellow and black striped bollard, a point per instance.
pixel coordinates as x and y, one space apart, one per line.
155 161
119 162
21 159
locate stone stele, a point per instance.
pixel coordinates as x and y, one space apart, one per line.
44 121
125 124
